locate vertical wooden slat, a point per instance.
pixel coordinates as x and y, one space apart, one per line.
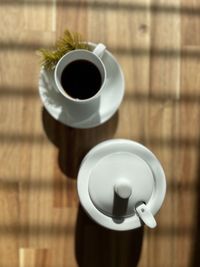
164 83
40 15
190 23
35 257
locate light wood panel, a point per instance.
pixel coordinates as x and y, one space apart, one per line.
157 43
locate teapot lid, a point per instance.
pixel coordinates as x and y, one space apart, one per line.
115 178
118 182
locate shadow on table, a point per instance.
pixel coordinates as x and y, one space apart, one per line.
73 144
195 258
96 246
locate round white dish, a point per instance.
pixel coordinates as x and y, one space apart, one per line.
94 189
108 103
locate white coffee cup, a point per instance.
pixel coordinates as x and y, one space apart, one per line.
83 108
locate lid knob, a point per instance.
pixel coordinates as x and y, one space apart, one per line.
123 189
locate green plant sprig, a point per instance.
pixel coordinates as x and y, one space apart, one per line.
69 41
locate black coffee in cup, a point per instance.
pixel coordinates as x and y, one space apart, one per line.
81 79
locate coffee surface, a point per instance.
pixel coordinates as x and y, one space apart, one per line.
81 79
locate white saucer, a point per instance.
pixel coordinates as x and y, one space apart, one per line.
110 98
101 154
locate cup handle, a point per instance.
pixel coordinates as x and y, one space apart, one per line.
99 50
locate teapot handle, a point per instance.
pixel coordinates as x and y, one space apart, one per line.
146 216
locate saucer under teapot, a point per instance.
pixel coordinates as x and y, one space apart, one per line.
121 185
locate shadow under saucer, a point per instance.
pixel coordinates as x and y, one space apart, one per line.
96 246
73 144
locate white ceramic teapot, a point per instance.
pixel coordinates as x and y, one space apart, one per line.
121 185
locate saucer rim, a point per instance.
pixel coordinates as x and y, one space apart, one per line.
87 123
128 223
